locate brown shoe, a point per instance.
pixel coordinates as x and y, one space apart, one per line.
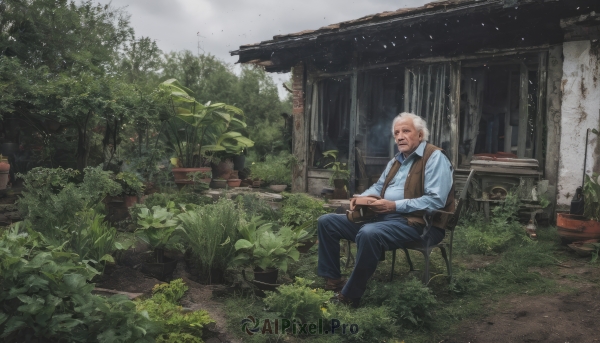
335 285
339 298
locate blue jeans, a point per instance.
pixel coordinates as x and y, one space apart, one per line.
387 232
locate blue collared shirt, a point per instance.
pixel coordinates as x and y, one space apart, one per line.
438 182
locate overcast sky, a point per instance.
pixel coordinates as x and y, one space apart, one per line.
224 25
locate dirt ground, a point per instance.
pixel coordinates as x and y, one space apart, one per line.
558 318
570 316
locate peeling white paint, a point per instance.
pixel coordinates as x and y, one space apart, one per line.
580 111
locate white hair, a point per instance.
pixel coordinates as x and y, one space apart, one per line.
419 123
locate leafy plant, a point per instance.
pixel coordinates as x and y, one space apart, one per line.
300 208
177 325
156 229
410 301
52 197
46 295
299 301
475 235
260 247
340 170
93 239
197 129
274 170
130 182
210 232
591 197
253 205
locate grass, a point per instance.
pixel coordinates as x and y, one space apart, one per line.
475 290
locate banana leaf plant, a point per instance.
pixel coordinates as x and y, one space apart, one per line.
195 130
156 228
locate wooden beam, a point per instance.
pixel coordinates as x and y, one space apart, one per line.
553 119
523 113
507 127
455 69
353 130
541 107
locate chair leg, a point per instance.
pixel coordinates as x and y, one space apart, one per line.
393 264
426 269
410 264
450 248
445 257
349 255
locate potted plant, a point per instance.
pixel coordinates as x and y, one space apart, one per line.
194 130
4 171
156 228
219 183
274 170
339 176
132 187
265 251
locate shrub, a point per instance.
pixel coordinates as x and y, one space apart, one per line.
274 170
254 206
51 198
375 324
410 301
92 238
177 325
477 236
46 295
211 232
299 301
181 197
299 208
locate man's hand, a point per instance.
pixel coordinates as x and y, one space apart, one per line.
382 206
352 204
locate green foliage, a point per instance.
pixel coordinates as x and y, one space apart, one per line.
210 232
177 325
299 301
156 228
51 198
299 208
255 206
274 170
591 197
340 170
131 183
173 291
46 294
92 238
376 324
477 236
411 302
261 247
184 196
197 129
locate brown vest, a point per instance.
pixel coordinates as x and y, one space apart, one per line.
414 187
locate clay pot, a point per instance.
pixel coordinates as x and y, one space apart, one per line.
571 227
4 174
234 182
181 175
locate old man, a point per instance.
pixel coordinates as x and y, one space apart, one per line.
422 182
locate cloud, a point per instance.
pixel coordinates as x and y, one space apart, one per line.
226 24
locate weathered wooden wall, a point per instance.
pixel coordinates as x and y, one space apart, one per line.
553 119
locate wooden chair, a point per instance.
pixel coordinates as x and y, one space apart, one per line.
444 246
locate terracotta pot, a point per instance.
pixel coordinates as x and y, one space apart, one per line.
130 200
181 174
571 227
4 174
234 182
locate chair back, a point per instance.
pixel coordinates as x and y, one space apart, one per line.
453 221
